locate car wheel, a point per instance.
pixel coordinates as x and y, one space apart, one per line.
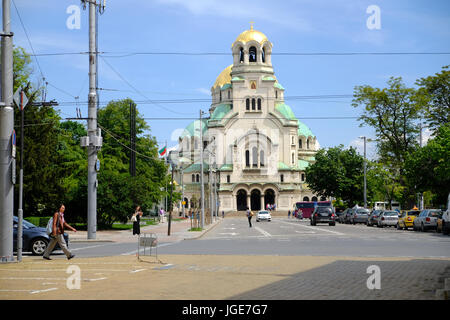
38 246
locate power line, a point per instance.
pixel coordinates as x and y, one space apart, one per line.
136 90
185 53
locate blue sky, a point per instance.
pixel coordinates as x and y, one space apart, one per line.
212 26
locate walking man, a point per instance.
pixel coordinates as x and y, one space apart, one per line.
289 214
249 216
57 235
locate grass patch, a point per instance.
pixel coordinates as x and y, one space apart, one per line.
195 229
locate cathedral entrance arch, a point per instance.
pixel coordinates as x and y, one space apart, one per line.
241 200
269 197
255 199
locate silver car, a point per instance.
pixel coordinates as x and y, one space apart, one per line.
360 216
387 218
427 219
263 215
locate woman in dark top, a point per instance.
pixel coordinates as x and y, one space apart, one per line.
136 224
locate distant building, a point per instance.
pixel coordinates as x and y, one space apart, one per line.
252 139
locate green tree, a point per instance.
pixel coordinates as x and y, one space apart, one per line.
41 184
428 168
337 173
392 112
434 94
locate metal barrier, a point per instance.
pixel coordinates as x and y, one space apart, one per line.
147 240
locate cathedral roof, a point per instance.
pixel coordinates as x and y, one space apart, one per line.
303 130
249 35
220 111
192 129
224 77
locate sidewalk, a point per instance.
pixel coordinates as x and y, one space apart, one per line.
179 230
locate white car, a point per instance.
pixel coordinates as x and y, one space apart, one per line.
387 218
263 215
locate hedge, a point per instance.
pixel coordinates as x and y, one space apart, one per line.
38 221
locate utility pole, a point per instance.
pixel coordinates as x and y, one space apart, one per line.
421 144
6 133
93 141
365 172
201 169
132 139
210 188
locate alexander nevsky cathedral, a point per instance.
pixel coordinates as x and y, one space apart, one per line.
255 151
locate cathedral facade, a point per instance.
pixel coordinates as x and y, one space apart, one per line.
255 151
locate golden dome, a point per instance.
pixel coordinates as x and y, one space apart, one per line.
224 77
251 34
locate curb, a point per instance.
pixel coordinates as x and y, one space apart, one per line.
204 232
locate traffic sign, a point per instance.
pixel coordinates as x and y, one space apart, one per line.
20 98
97 165
13 149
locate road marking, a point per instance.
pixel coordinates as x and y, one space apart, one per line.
167 266
305 232
229 228
40 291
92 280
90 247
142 250
265 233
314 228
232 233
136 271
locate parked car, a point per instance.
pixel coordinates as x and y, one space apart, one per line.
263 215
446 222
35 239
345 216
373 217
427 219
341 217
407 218
387 218
323 215
359 215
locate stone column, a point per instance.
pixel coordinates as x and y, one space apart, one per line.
249 201
262 202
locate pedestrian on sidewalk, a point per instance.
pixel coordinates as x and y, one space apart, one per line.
57 235
249 216
289 214
223 214
136 218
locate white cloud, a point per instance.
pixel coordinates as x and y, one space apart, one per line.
371 149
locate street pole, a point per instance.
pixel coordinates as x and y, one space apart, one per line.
170 202
421 144
182 192
365 177
94 139
210 189
6 131
20 210
201 174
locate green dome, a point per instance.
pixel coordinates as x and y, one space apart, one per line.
286 111
303 130
220 111
192 129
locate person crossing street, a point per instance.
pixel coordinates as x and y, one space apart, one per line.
57 235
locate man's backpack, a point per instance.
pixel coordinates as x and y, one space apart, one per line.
49 228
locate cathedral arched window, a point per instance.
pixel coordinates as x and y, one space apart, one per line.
299 143
276 94
255 156
247 104
253 104
259 104
303 177
198 178
263 55
229 94
241 55
314 199
247 158
261 158
252 54
307 144
305 199
281 178
193 177
220 95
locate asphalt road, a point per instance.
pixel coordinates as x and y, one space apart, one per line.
291 237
